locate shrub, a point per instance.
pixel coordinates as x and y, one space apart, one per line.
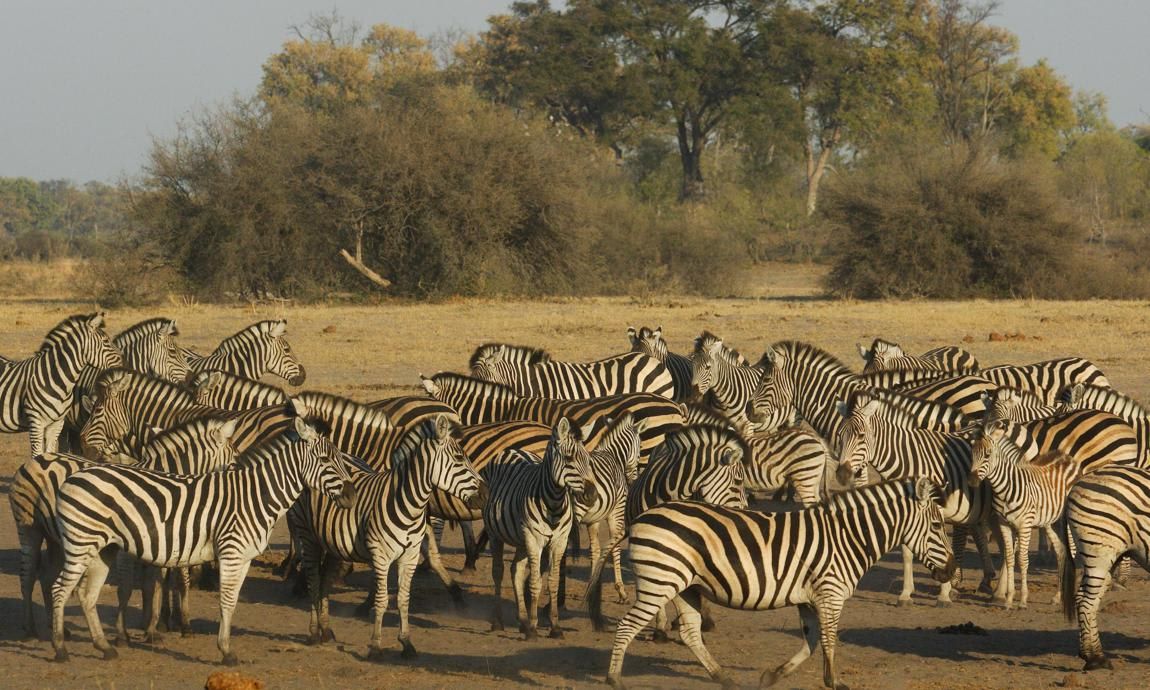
127 274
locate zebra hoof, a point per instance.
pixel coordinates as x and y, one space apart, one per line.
708 624
531 634
327 636
120 641
162 626
374 654
408 651
943 603
905 602
110 654
456 593
1093 663
230 659
726 681
768 679
154 637
314 638
616 682
556 633
985 587
186 631
61 655
468 569
496 625
660 637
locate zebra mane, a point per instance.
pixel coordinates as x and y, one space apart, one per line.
259 328
323 409
707 340
882 493
812 356
514 353
706 435
59 333
449 378
138 330
656 345
140 379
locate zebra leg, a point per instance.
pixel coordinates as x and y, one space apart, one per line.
958 544
381 562
1004 592
809 621
525 567
436 562
153 589
93 569
1024 531
979 531
907 577
126 574
406 566
1059 556
470 549
232 574
691 631
31 566
180 595
828 614
650 598
497 583
1095 581
1121 573
557 548
616 528
595 545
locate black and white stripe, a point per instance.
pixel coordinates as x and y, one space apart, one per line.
722 378
35 393
884 355
259 349
173 521
812 558
1084 396
225 391
651 343
1046 379
792 459
531 372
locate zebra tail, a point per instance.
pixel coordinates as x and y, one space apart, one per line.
594 593
1069 586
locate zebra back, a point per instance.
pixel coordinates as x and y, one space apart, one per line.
1083 396
651 343
356 429
884 355
699 463
1017 405
202 445
1047 379
408 410
258 349
789 457
964 393
536 374
1094 439
225 391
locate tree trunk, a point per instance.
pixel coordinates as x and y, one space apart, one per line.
691 142
817 166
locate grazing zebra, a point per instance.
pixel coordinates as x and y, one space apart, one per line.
173 521
811 558
1017 405
1108 515
386 525
225 391
482 402
530 506
35 393
793 458
651 343
1084 396
258 349
32 497
722 377
882 436
149 347
1047 379
884 355
531 372
1025 495
615 466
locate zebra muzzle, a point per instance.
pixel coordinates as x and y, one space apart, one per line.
946 572
479 498
347 495
299 378
974 481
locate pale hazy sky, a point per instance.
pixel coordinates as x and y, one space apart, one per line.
86 84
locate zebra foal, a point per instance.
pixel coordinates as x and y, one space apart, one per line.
811 558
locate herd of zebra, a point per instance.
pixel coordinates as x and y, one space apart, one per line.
178 459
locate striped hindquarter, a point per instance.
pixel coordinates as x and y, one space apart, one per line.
170 520
1046 379
651 343
789 458
1108 516
1094 439
812 558
1084 396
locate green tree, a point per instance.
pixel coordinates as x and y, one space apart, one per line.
1037 111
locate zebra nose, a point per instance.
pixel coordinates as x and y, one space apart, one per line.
347 495
974 481
299 378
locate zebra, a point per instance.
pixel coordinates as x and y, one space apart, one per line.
408 410
35 393
1047 379
149 347
651 343
811 558
481 402
721 377
225 391
531 372
1025 495
793 458
884 437
1085 396
258 349
615 466
964 393
1094 439
530 506
1017 405
385 526
172 521
884 355
1107 517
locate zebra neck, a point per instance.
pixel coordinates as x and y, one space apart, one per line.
818 406
61 366
275 484
900 452
553 493
412 487
869 531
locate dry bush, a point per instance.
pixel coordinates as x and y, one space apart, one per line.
126 274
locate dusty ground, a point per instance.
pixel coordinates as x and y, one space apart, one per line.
374 352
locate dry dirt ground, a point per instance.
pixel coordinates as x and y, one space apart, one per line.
369 352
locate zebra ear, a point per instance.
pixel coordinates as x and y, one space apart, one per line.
87 403
430 386
632 335
279 328
925 489
443 427
863 352
843 408
305 430
225 431
298 408
563 430
987 400
1076 393
657 333
96 320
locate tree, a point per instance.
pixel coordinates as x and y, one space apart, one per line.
1107 176
1037 111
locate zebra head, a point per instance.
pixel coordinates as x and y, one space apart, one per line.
322 465
772 406
150 347
926 532
218 448
87 341
1072 398
570 463
989 444
856 438
880 355
649 342
704 359
711 463
622 440
280 360
489 363
108 423
436 442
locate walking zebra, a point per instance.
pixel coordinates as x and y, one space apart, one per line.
531 372
1047 379
1083 396
789 458
530 506
884 355
173 521
882 436
1108 516
35 393
722 378
812 558
258 349
1025 495
651 343
615 466
386 525
481 402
